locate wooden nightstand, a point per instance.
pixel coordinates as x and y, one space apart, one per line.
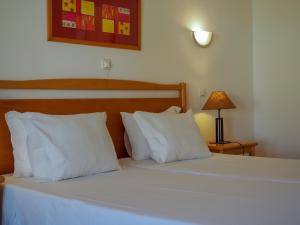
234 148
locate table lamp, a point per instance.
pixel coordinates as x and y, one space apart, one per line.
219 100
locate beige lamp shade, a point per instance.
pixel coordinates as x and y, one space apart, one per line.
218 100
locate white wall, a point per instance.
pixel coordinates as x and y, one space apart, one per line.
276 32
168 52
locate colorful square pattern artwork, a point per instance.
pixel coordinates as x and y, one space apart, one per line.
108 12
69 5
112 22
85 22
108 26
115 20
82 19
87 8
123 28
69 20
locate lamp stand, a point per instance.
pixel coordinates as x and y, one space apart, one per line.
220 129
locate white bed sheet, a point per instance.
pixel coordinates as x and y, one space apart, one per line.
141 196
231 166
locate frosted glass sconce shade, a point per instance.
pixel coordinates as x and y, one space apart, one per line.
202 38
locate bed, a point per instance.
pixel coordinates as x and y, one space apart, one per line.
219 190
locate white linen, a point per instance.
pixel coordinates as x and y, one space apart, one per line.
172 137
137 196
231 166
136 144
63 147
22 167
127 144
134 140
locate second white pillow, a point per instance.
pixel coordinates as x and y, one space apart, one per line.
134 140
172 137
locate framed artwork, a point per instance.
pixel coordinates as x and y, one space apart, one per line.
108 23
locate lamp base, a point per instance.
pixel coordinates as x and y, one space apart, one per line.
219 129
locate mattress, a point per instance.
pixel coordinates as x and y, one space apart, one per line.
143 196
231 166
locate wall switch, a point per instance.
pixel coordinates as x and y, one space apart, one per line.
202 92
106 64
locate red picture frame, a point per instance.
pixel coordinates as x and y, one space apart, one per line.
107 23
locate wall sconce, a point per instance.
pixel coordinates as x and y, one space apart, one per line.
202 38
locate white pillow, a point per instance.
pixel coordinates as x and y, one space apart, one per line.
18 138
59 146
62 147
172 137
127 143
134 140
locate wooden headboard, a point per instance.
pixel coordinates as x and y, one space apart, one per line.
113 106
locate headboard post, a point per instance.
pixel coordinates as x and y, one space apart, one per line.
183 96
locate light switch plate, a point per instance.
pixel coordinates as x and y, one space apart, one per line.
106 64
202 92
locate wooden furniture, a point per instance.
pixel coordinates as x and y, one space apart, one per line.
112 106
2 179
235 148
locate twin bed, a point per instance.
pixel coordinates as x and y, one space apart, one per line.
219 190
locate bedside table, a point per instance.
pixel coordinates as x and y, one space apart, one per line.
234 148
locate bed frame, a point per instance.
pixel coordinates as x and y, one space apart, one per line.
113 106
